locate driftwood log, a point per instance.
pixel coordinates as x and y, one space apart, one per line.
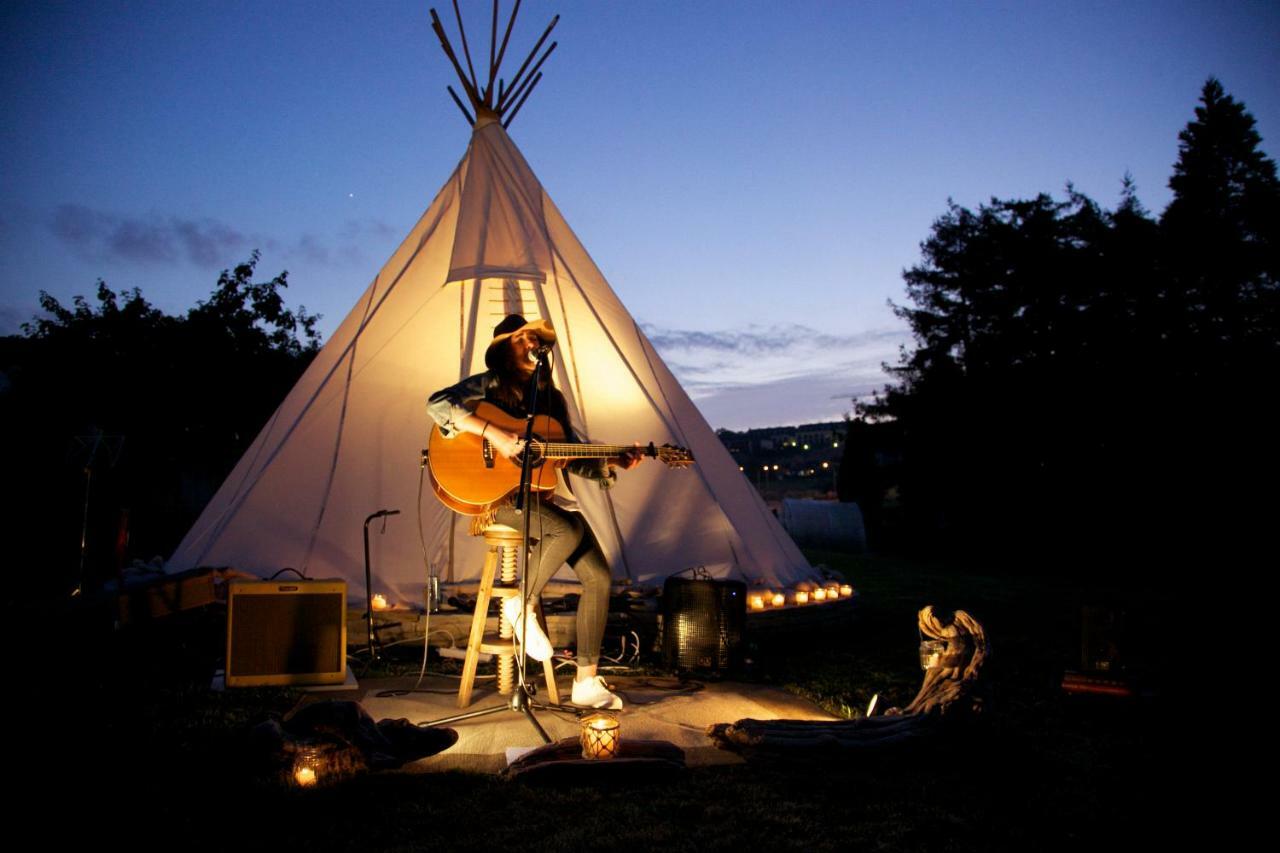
951 691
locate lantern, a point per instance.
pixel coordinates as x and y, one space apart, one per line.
601 736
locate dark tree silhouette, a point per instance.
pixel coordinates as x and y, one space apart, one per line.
1086 383
177 398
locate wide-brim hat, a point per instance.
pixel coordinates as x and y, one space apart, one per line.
514 324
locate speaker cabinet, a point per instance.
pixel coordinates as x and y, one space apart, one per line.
702 624
286 632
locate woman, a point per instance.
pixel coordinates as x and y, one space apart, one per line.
562 533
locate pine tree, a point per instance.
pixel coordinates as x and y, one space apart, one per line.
1223 237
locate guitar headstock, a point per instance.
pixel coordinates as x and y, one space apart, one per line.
673 457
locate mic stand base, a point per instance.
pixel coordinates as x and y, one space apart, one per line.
521 703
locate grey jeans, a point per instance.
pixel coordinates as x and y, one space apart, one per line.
564 537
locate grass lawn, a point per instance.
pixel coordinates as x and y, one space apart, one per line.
146 756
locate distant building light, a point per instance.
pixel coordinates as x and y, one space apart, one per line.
826 464
775 467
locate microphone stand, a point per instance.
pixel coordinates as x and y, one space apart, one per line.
522 696
368 580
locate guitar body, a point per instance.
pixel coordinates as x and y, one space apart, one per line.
469 475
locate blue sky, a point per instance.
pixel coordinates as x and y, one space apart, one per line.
751 177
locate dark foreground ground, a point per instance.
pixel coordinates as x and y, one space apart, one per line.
122 744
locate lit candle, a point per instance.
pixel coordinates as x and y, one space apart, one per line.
802 596
379 601
306 765
846 589
779 600
757 602
819 594
833 592
601 736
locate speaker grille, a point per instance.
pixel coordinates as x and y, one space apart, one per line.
703 623
286 633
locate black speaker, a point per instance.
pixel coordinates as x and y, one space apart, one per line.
702 624
286 632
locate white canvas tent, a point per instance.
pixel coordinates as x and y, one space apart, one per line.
347 440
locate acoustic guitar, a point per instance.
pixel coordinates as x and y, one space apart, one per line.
468 473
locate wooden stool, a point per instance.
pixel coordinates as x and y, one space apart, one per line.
504 549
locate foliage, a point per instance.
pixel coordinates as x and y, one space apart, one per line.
158 407
1058 346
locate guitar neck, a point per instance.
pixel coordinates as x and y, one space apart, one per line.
570 450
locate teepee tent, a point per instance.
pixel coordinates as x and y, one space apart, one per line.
347 441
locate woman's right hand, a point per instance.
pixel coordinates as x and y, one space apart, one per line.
507 444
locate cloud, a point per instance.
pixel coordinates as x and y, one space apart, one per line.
779 374
711 362
98 235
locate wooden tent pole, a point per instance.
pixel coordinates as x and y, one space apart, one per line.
537 47
466 51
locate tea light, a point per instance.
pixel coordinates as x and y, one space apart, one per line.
379 601
802 596
601 736
306 767
833 592
779 600
757 602
846 589
819 594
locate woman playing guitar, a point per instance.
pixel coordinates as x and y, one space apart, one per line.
563 535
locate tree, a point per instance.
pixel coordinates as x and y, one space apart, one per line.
1222 232
1092 381
182 395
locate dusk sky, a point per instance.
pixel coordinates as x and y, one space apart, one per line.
752 178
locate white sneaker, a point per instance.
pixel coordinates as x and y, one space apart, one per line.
594 693
536 645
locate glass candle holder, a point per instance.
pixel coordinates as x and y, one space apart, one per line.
306 767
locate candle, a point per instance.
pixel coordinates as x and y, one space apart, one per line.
601 736
306 766
802 596
833 592
819 594
779 600
757 602
379 601
846 589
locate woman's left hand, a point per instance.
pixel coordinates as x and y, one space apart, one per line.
631 458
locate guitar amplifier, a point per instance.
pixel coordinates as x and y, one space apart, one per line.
286 632
702 624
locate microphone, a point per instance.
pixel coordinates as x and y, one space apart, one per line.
538 353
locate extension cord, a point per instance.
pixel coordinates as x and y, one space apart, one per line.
461 654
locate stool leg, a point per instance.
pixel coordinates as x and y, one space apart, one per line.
548 666
477 628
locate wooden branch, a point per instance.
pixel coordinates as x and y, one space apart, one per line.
495 64
448 51
516 79
949 691
516 110
465 49
471 121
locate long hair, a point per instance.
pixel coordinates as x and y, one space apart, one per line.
507 386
